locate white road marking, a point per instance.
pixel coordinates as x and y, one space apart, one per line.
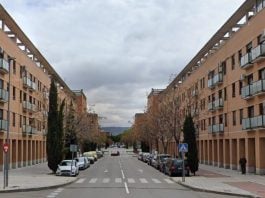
156 181
105 171
169 181
80 181
93 180
140 170
126 188
131 180
123 177
143 180
106 180
117 180
59 190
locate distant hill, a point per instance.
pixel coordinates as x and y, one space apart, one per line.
114 130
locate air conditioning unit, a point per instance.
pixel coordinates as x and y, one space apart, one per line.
242 76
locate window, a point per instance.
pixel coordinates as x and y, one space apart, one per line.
225 95
20 96
249 47
234 90
250 79
221 119
234 118
1 114
14 93
20 121
262 74
233 62
239 56
259 5
225 119
223 67
209 122
1 84
14 120
251 111
240 116
220 94
240 87
261 109
14 67
24 96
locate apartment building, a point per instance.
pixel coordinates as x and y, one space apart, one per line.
25 77
223 88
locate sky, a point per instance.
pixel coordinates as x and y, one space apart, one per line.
118 50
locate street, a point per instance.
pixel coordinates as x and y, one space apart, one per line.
118 177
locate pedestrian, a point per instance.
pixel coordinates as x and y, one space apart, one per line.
243 162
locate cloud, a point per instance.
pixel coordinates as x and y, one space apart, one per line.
117 50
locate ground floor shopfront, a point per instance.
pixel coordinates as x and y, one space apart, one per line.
24 150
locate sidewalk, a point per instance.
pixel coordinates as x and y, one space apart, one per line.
225 181
34 177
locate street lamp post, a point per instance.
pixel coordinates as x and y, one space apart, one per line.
7 141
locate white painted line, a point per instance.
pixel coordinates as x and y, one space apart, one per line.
131 180
105 171
143 180
117 180
156 181
140 170
169 181
59 190
51 196
123 177
80 181
93 180
106 180
126 188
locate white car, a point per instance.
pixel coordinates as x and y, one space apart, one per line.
68 168
82 163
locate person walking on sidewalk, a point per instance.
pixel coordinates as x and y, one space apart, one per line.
243 162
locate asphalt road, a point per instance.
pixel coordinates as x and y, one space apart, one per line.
118 177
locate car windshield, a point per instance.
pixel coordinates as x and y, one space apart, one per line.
65 163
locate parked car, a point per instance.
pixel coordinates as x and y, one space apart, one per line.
91 154
162 164
174 166
140 156
67 168
91 160
99 154
82 163
157 160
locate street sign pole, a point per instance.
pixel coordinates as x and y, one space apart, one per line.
183 166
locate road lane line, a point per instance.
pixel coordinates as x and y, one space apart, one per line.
93 180
140 170
59 190
143 180
131 180
169 181
117 180
106 180
156 181
123 176
105 171
80 181
126 188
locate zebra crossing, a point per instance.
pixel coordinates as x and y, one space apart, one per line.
128 180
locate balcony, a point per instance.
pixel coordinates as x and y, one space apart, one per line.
245 60
253 89
3 125
3 96
217 128
217 104
258 53
4 66
27 83
216 80
253 123
27 106
27 129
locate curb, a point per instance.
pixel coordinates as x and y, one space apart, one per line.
213 191
36 188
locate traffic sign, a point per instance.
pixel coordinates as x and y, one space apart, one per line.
5 147
183 147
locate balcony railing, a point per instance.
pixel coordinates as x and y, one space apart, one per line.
29 106
27 129
258 53
245 60
4 66
28 83
3 95
217 79
216 128
3 125
217 104
253 89
254 122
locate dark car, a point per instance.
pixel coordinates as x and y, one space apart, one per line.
162 164
174 167
157 160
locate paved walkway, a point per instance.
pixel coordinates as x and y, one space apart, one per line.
225 181
34 177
